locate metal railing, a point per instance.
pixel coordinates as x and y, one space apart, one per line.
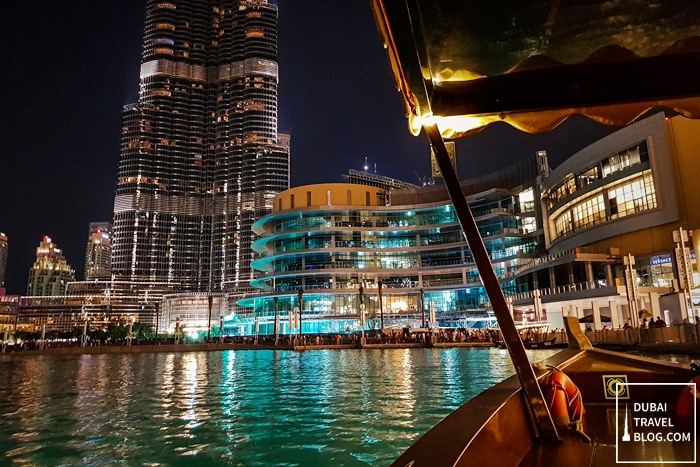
554 256
560 289
684 333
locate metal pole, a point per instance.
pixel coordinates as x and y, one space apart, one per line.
301 292
362 321
361 291
157 318
422 308
277 324
211 303
257 329
291 316
531 389
381 308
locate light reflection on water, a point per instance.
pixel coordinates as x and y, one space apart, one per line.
262 408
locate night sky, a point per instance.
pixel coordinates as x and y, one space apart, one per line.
69 67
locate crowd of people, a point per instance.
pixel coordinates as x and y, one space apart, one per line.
659 323
402 336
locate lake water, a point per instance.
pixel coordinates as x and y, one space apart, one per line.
247 408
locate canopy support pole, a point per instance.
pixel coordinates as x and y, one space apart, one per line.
545 427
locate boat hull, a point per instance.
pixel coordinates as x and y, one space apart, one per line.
495 429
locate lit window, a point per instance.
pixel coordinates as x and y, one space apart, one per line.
632 197
254 32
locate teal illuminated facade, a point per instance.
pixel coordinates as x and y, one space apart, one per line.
329 240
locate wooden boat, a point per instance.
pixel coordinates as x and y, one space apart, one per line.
495 429
463 65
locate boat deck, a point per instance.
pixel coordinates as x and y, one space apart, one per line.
601 451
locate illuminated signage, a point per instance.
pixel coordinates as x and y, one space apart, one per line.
661 259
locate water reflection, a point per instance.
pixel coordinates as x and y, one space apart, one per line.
267 408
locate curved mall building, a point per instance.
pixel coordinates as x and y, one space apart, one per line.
332 241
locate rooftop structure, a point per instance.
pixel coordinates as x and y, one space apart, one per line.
50 273
362 177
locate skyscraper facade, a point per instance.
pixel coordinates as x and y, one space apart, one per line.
98 252
3 261
50 273
201 156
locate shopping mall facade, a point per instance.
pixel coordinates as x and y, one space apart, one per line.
557 240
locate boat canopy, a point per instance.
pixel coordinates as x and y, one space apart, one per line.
463 65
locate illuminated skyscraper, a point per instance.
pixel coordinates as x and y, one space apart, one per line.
201 157
98 253
50 272
3 261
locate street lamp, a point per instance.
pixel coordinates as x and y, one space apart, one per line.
381 308
362 312
277 321
422 307
257 329
301 292
157 317
131 327
211 303
292 321
85 323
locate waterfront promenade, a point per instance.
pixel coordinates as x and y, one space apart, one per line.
305 342
679 339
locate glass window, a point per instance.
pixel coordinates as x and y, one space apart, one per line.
633 196
562 224
589 212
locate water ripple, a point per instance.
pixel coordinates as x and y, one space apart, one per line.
259 408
